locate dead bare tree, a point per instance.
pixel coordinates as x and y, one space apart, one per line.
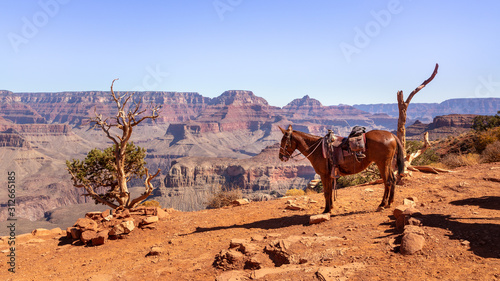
119 130
403 106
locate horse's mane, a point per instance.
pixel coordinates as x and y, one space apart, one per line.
314 137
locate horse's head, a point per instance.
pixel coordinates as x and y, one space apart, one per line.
288 145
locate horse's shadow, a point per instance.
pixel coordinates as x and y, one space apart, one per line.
485 202
268 224
274 223
484 238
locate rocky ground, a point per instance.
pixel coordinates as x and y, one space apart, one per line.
460 216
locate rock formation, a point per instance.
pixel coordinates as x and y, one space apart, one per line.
425 112
441 127
40 131
191 181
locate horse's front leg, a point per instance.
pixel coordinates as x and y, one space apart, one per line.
327 191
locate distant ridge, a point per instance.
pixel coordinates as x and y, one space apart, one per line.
427 111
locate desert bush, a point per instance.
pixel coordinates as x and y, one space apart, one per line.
483 122
491 153
484 138
310 191
460 160
412 146
150 203
295 192
223 198
370 174
318 188
428 157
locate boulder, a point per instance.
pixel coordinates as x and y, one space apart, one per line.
319 218
75 232
88 235
124 227
155 251
41 232
414 221
411 243
294 207
106 213
86 224
409 202
399 210
412 212
93 215
240 202
101 238
414 229
161 213
149 220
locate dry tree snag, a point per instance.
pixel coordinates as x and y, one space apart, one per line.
401 132
403 106
425 169
128 159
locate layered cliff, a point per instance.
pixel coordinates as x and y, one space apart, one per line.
441 126
191 181
39 131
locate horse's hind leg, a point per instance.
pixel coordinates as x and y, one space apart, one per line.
392 182
384 174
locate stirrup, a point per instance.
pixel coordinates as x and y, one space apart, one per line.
360 155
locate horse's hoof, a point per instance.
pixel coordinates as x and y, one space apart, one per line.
380 208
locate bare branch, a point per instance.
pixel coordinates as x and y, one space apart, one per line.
91 192
117 100
149 189
423 84
427 144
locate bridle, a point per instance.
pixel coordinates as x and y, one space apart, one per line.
288 143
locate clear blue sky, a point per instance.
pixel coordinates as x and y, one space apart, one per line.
339 52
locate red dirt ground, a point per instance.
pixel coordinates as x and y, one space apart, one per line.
460 214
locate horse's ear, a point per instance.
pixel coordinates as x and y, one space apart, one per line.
290 128
282 130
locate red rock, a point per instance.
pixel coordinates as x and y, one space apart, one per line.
88 235
411 243
399 210
319 218
75 233
149 220
411 212
106 213
240 202
86 224
124 227
101 238
41 232
93 215
161 213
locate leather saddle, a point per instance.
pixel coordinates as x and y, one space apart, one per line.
336 148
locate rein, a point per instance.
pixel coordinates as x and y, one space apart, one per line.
289 141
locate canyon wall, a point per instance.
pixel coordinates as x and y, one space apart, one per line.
40 131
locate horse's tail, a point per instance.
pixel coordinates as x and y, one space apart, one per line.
400 157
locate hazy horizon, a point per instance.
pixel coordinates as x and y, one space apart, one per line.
357 52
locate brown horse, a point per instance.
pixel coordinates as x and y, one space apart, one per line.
380 148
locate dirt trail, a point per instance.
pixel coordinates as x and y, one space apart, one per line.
460 214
